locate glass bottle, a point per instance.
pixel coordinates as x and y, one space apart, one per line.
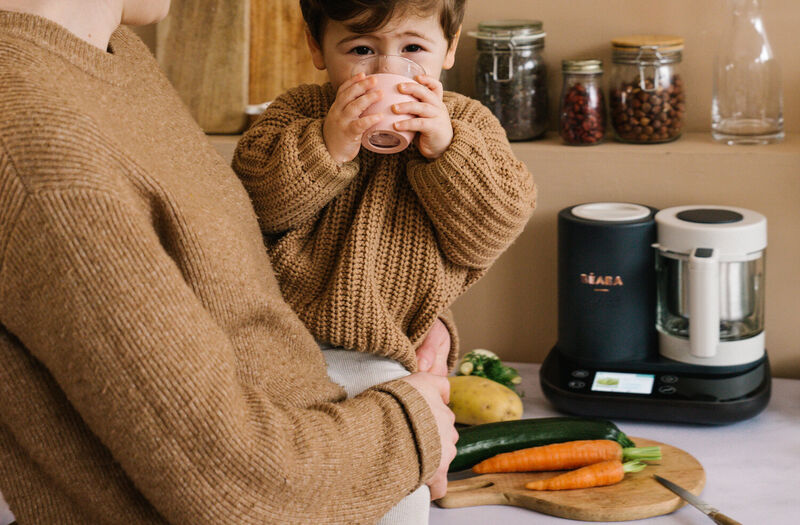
510 75
747 104
582 115
647 97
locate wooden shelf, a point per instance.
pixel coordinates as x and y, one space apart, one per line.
693 143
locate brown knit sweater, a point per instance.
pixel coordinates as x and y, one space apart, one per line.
370 252
149 370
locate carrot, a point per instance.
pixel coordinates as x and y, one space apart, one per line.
564 456
595 475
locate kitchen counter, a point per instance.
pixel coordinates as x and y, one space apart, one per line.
752 467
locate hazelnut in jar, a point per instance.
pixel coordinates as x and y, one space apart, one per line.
647 96
582 114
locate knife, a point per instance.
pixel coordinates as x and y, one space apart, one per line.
704 507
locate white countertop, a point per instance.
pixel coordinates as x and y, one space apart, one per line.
752 467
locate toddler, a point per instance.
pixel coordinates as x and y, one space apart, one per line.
369 249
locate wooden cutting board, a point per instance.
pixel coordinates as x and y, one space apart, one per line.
636 497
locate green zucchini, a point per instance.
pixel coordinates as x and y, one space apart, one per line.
480 442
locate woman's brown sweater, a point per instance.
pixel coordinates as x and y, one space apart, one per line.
150 371
370 252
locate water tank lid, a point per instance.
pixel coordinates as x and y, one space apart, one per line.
611 211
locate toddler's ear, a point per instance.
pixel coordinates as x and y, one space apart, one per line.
316 51
450 57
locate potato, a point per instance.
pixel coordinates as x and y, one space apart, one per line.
477 400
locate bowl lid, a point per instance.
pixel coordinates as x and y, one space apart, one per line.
734 232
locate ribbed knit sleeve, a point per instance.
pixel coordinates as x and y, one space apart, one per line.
477 194
284 164
88 289
450 323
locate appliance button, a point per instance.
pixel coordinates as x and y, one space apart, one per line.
669 379
667 389
580 374
576 384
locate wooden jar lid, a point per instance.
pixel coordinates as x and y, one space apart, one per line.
662 42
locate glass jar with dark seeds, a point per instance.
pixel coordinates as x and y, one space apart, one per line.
647 98
510 75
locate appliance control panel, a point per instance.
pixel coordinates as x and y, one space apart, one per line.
604 382
656 385
659 390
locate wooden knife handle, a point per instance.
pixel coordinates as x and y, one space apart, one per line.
722 519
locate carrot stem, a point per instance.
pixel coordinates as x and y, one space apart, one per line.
633 466
642 453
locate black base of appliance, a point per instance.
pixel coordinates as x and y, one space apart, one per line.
657 390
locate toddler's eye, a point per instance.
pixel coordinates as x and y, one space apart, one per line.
361 50
412 48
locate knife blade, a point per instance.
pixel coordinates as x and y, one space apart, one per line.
701 505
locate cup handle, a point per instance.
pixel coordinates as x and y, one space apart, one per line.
703 302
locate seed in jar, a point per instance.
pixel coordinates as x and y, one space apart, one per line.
583 116
648 115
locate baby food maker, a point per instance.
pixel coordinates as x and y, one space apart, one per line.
660 313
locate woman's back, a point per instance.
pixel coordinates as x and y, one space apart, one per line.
149 370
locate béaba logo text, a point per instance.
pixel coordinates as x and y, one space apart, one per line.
602 282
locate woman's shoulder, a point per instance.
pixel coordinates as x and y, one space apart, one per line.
49 141
125 40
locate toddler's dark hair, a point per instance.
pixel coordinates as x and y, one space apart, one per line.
369 15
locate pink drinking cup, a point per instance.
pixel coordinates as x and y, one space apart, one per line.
389 71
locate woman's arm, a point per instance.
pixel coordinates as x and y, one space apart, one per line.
87 288
284 164
477 194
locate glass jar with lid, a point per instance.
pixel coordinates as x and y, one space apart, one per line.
510 75
582 115
647 95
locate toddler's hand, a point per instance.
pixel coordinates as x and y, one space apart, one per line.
343 126
433 120
433 351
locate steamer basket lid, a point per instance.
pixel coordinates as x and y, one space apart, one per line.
733 232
